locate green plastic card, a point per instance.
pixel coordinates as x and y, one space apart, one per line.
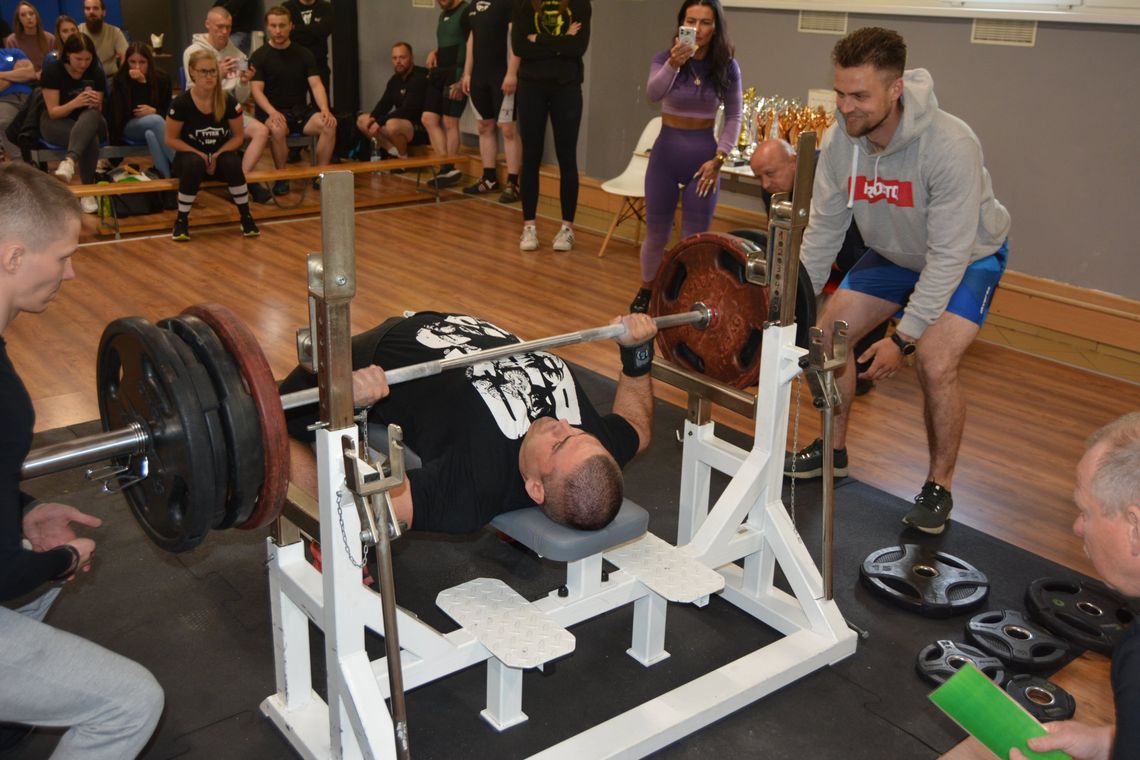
990 715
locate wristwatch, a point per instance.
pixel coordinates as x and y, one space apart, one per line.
907 347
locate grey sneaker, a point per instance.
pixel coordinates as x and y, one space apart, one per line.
564 240
931 509
529 239
807 463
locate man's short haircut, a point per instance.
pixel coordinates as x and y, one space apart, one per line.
278 10
220 10
1116 482
884 49
38 208
407 45
102 4
589 497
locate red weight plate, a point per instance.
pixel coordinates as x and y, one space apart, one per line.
246 351
710 268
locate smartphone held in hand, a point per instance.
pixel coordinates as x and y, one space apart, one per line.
687 35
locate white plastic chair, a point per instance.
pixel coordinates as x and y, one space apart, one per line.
630 184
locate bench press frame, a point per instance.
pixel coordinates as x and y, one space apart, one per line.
748 522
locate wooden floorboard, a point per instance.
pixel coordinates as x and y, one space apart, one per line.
1028 417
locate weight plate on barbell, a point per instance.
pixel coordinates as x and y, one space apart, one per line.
245 463
929 582
711 268
805 293
1043 699
204 387
1010 636
140 378
1084 612
942 659
243 347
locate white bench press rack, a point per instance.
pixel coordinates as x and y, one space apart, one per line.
731 547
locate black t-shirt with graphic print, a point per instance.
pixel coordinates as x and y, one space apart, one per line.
467 424
202 130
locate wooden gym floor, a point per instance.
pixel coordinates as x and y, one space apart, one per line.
1028 417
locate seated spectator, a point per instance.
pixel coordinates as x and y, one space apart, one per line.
244 14
284 75
394 123
73 111
29 35
16 78
206 131
110 42
139 101
235 73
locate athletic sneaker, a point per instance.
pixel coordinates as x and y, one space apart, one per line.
181 231
931 509
640 303
807 463
446 179
89 204
248 226
564 240
529 239
66 169
260 193
482 187
281 187
510 194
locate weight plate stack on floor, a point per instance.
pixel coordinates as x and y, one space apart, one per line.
1019 643
942 659
929 582
141 378
1086 613
1043 699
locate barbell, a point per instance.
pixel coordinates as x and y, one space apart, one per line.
195 427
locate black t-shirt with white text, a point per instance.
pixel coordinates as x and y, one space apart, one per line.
467 424
203 130
489 20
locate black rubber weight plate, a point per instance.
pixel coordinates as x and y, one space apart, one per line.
942 659
929 582
1011 637
1084 612
1044 699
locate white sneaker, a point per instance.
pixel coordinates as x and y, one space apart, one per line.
564 240
88 204
529 239
66 169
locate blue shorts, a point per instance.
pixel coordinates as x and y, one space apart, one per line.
876 276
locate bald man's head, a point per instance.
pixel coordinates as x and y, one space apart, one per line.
774 164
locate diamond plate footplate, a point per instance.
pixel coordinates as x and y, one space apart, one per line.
515 632
669 572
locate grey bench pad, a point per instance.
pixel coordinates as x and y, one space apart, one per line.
547 538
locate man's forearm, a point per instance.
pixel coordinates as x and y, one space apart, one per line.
634 402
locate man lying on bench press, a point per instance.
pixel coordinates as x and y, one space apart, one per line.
499 435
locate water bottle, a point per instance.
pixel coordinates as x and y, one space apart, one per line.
376 153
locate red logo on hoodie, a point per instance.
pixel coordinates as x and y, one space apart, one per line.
893 191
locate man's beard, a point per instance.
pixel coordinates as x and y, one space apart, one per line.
95 26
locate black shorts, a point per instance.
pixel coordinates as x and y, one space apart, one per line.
295 119
436 98
487 98
419 134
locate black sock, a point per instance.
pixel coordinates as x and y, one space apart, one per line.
489 175
513 179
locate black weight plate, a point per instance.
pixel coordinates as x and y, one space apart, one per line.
246 461
1084 612
212 420
1045 700
942 659
1011 637
931 583
141 378
805 293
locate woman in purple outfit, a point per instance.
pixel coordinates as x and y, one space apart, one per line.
690 81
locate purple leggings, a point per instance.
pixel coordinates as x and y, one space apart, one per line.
675 158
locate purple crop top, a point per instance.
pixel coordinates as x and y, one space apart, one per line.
680 95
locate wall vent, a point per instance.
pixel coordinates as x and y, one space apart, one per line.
823 22
423 3
1001 32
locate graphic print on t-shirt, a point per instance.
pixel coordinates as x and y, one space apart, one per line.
517 390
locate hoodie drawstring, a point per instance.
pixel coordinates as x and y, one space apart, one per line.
854 172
